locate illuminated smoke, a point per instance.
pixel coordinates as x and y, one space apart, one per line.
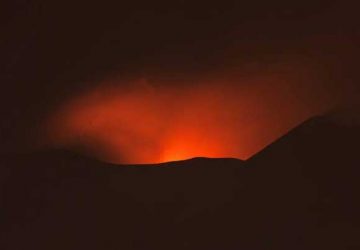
227 115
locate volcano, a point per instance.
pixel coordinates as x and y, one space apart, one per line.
301 192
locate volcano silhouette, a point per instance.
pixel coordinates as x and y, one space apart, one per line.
301 192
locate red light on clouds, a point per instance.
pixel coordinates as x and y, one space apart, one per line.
140 123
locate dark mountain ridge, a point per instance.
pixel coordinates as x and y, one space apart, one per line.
301 192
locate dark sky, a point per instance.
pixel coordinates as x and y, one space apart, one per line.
51 50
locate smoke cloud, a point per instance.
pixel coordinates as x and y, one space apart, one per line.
148 120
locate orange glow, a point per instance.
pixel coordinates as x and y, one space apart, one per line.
142 122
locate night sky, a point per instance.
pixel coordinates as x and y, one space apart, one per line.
303 53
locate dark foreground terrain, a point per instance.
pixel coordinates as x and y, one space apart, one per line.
301 192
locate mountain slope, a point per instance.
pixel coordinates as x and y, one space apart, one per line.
311 179
57 200
301 192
